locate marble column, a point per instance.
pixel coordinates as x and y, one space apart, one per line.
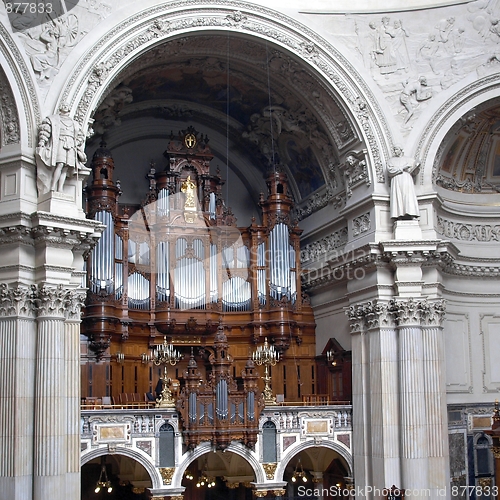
360 397
51 419
75 301
432 315
414 442
384 395
17 354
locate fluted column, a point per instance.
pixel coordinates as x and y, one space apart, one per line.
360 397
384 394
51 397
376 434
432 315
75 301
414 442
17 354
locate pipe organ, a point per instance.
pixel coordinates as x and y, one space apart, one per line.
178 265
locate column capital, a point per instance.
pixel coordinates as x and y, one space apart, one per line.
17 301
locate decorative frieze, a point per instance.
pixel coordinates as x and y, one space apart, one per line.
361 224
467 232
314 251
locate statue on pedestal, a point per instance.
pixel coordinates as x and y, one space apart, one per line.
60 148
401 169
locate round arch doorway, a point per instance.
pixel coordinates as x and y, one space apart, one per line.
314 471
218 475
120 478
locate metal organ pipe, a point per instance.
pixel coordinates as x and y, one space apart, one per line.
280 261
221 400
102 257
118 266
162 271
163 202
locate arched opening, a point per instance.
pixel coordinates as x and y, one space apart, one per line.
218 475
316 472
114 477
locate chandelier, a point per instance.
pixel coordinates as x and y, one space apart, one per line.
205 479
299 473
166 354
103 482
268 356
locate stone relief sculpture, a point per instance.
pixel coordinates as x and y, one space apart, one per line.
45 44
60 150
412 94
403 200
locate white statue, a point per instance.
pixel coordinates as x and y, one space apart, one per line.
404 204
61 146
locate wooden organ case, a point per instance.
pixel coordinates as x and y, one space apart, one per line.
178 266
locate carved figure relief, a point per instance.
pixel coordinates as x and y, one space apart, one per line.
412 94
60 150
45 45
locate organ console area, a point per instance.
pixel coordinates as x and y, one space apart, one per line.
178 267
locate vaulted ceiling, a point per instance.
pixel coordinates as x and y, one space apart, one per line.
258 105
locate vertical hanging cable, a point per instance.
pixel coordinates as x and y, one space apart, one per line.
270 109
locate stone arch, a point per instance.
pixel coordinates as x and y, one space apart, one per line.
97 71
23 92
285 459
447 115
206 447
130 453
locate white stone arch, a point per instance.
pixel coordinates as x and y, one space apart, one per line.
95 72
461 102
24 90
153 472
206 447
332 445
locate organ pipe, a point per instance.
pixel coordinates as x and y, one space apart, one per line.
102 258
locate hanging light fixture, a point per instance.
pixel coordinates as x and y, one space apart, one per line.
103 483
205 479
299 473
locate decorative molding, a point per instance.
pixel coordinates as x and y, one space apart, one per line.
361 224
166 474
8 113
17 301
452 105
400 312
467 232
314 251
355 171
141 29
24 80
270 469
